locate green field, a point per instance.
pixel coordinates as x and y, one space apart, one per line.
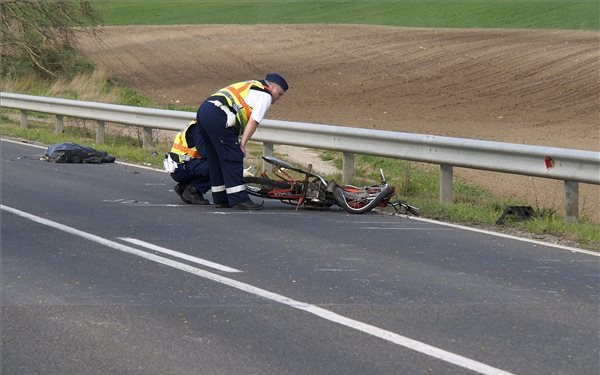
522 14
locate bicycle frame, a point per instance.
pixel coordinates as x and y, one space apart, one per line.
297 190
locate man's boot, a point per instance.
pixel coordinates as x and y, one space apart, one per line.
192 196
179 189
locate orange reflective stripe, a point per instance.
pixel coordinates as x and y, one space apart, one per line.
180 145
234 94
238 96
188 151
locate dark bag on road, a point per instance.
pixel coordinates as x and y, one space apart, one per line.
74 153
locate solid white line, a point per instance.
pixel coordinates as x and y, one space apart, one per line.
116 161
405 228
22 143
537 242
392 337
177 254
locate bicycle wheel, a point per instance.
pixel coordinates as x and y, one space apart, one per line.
261 186
360 200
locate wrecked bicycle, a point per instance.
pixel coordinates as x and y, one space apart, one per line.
314 192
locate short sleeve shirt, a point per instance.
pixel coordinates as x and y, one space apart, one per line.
260 102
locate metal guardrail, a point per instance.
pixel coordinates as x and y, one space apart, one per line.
569 165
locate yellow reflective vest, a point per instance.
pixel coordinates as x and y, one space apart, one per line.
235 94
181 148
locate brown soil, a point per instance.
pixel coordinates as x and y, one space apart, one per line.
537 87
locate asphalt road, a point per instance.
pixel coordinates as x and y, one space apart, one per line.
105 271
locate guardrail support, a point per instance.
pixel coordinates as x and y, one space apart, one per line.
100 131
24 119
147 138
60 124
446 183
571 201
267 151
348 167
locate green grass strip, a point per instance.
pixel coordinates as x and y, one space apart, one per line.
522 14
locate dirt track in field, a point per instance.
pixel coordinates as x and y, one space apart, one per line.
538 87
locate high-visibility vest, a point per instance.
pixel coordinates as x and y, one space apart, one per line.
235 94
181 148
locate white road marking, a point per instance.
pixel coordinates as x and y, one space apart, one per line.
537 242
337 270
235 211
406 228
136 203
116 161
177 254
331 316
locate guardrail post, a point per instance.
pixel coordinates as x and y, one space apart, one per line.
446 182
24 119
267 151
348 167
100 130
147 138
60 124
571 201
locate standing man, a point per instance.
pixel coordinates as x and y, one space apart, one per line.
226 122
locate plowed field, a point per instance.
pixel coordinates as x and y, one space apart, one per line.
539 87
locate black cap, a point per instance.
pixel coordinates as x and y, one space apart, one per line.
276 78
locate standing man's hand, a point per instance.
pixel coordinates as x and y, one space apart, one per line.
248 132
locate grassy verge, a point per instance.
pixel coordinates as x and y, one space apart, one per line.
539 14
473 205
